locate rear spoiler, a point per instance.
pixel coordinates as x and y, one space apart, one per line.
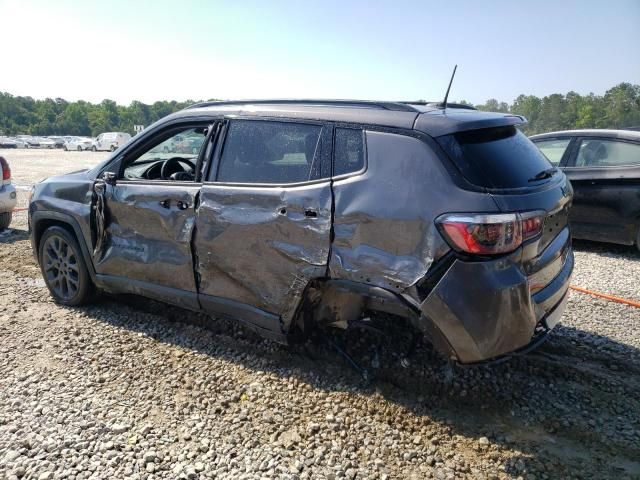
438 123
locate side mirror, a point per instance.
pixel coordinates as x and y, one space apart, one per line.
109 178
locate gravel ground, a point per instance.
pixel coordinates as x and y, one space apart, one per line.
130 388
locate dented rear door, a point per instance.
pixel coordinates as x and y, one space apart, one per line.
264 220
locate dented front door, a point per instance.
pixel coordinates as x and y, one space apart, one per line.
147 233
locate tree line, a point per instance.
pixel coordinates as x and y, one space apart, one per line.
619 107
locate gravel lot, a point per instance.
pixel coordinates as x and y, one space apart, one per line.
130 388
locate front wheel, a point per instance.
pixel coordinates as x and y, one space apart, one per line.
63 267
79 148
94 149
113 148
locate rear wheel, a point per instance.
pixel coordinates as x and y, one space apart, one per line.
5 220
79 148
63 267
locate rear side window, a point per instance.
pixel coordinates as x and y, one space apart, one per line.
553 148
595 152
349 151
269 152
501 157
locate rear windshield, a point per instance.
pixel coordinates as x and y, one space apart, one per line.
501 157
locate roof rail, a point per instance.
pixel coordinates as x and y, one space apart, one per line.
395 106
441 105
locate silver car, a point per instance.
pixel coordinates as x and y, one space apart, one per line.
8 198
78 143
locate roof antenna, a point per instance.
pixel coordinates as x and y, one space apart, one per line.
446 97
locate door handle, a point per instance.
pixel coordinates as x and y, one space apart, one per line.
310 213
180 204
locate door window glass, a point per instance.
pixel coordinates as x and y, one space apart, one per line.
595 152
171 159
553 148
269 152
349 151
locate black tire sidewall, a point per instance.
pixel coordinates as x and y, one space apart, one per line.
5 220
84 280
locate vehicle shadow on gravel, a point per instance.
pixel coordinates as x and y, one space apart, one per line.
629 252
575 400
13 235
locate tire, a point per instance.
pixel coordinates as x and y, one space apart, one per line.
79 148
94 149
65 148
63 267
113 148
5 220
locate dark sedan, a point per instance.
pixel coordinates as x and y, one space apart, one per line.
7 143
604 169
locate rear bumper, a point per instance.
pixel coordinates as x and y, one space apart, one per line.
483 311
8 198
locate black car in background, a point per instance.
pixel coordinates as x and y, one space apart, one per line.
604 169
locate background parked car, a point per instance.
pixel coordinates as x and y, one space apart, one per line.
78 143
604 169
8 198
28 141
44 142
110 141
58 141
6 142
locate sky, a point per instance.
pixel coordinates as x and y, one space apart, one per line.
392 50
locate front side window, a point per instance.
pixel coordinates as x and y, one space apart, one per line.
349 151
553 148
269 152
172 158
595 152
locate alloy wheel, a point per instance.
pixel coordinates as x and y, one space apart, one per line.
61 268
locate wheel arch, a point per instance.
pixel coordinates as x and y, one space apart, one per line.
42 220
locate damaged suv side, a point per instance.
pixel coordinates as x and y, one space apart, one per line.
287 215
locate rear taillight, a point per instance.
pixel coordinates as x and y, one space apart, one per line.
6 171
489 234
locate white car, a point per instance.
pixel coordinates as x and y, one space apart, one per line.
45 142
79 144
8 197
110 141
20 143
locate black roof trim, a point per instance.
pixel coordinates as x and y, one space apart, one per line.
463 106
381 105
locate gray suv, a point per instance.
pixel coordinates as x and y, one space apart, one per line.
293 215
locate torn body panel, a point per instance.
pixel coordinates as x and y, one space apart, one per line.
261 246
385 236
148 234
